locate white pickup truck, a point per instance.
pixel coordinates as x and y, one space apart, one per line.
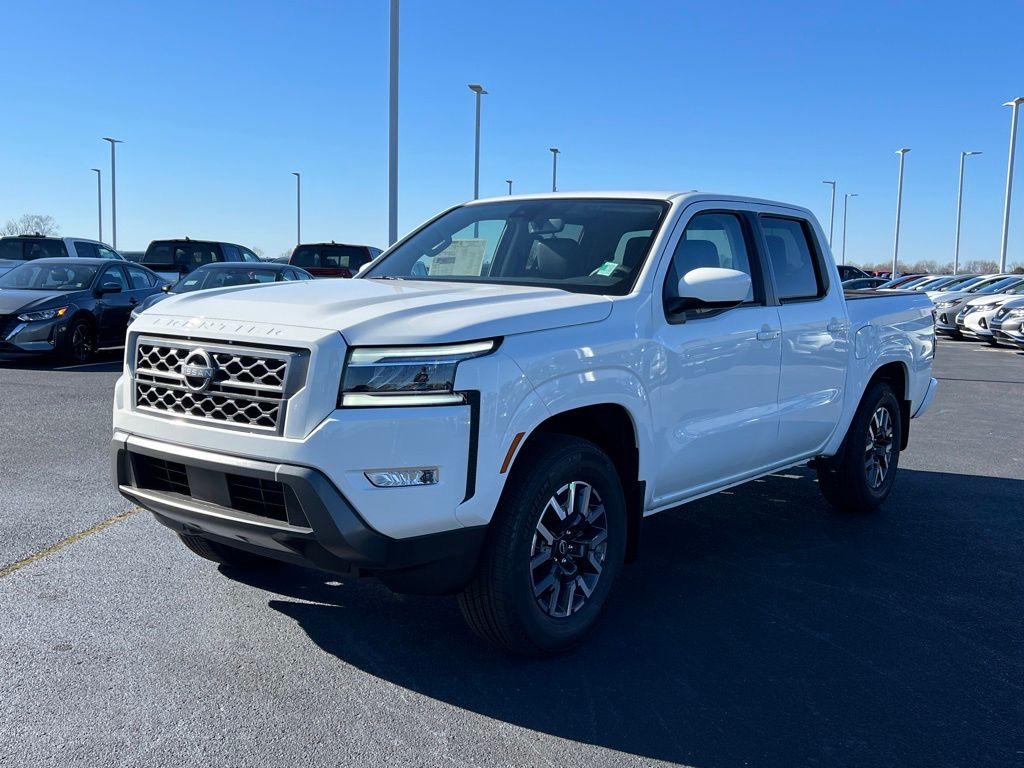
498 400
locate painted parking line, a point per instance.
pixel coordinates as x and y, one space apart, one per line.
7 570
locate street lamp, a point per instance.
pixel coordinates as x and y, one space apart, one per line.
479 91
393 126
846 202
99 201
959 206
298 206
554 168
1015 104
899 208
509 182
113 190
831 212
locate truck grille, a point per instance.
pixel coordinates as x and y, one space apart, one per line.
236 387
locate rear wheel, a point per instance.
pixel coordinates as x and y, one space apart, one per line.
992 340
222 553
553 550
860 477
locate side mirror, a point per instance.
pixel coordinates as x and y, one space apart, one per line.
166 287
108 288
712 288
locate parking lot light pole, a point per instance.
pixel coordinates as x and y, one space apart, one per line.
393 126
899 209
1015 104
554 168
479 91
113 190
509 182
831 212
846 203
99 201
298 206
959 206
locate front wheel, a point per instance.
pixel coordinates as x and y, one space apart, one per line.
860 477
79 342
553 550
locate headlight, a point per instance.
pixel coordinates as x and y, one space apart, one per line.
380 376
43 314
948 304
1016 312
984 307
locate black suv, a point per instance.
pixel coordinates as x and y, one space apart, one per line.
173 258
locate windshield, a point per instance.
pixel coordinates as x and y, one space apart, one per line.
28 248
932 283
49 277
584 246
202 279
350 257
961 284
993 285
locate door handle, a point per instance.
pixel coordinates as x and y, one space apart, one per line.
768 335
133 301
835 326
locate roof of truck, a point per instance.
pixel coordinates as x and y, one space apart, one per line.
667 196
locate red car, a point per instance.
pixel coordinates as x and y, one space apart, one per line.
332 259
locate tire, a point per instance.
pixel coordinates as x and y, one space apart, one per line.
860 477
79 344
992 342
224 554
573 554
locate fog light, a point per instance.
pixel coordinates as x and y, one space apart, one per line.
401 478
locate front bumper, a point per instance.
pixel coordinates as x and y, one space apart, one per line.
945 321
19 338
313 525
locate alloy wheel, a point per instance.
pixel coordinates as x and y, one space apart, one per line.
81 342
878 451
569 547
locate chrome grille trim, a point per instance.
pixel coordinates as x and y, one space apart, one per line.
249 389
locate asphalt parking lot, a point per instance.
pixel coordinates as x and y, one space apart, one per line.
758 628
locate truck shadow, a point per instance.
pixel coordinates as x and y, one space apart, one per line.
758 628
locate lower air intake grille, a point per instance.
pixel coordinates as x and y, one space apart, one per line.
257 497
161 475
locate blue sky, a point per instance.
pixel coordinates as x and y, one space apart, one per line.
217 103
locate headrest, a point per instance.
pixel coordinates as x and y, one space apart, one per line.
634 252
559 257
694 254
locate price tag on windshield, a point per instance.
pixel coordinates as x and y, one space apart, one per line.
463 258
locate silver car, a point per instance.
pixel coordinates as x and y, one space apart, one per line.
949 303
1007 324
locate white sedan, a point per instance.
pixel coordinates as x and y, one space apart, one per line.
975 317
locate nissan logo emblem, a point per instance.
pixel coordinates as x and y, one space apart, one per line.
198 370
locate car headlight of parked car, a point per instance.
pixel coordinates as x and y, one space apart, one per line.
1016 312
984 307
43 314
948 304
411 376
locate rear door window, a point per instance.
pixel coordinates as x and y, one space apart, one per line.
798 274
106 253
30 249
230 253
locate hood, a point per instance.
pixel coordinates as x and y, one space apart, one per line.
13 300
1014 303
395 311
990 298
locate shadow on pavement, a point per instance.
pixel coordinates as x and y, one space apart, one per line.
758 628
106 360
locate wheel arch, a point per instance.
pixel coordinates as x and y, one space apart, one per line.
605 425
895 373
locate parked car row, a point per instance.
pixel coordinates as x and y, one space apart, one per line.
73 296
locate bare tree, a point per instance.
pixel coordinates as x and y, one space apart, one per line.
31 224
